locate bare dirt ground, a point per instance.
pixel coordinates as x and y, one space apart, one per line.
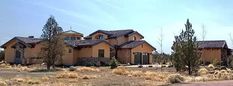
104 77
95 76
209 83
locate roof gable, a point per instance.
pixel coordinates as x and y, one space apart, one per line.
212 44
72 32
24 40
114 33
133 44
81 43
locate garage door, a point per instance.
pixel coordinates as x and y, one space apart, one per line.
138 58
145 59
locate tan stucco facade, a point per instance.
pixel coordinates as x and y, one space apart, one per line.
134 37
70 56
10 52
30 54
127 55
74 53
211 54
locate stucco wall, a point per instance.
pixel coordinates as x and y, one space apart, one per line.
121 40
144 48
102 45
112 41
211 54
10 52
84 52
68 58
138 37
123 56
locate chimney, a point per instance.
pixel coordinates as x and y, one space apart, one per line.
30 36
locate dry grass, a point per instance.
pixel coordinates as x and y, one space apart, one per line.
67 75
89 77
33 81
89 69
3 82
148 75
120 71
202 71
175 78
45 78
211 66
5 65
74 75
19 80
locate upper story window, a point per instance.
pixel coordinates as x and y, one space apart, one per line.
73 38
101 37
134 38
78 38
67 38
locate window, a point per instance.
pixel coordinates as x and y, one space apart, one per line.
78 38
70 51
134 38
101 37
66 38
73 38
101 53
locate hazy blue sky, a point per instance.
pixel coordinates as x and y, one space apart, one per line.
27 17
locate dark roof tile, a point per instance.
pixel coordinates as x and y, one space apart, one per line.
212 44
115 33
84 43
133 44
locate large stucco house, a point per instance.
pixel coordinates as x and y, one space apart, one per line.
126 45
129 46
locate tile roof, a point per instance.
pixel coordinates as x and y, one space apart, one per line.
133 44
29 40
115 33
72 32
212 44
81 43
25 40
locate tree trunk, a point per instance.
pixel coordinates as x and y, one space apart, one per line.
189 69
48 66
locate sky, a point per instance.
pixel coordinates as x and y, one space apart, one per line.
148 17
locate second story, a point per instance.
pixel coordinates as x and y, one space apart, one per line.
71 35
116 37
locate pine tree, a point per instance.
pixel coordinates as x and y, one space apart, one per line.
185 50
53 48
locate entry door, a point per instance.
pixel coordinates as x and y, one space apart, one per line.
138 58
18 57
146 58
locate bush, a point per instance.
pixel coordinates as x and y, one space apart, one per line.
89 69
3 83
67 75
120 71
113 63
175 78
202 71
211 66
